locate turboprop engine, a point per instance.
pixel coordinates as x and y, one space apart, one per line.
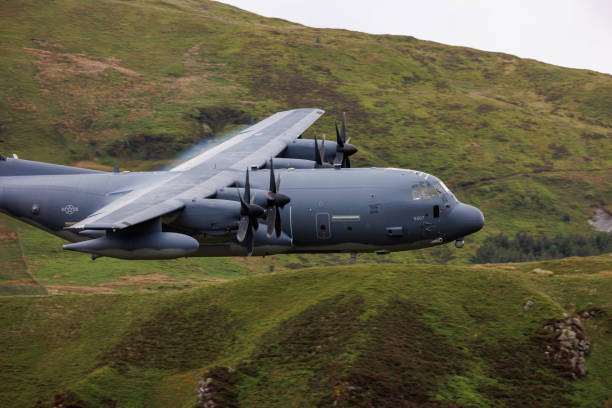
209 215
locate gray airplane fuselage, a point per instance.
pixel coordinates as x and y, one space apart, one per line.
331 210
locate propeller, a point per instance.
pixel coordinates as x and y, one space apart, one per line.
276 201
320 154
343 147
249 213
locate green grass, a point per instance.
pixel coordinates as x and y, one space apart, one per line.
117 83
128 83
362 335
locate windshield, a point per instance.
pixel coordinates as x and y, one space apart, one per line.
424 190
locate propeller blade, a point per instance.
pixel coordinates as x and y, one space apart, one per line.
277 223
339 159
243 228
244 208
276 201
343 147
343 132
339 140
323 149
273 184
272 224
247 188
250 241
318 160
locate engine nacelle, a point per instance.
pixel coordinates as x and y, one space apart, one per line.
209 215
285 163
231 194
304 149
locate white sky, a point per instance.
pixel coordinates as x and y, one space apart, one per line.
570 33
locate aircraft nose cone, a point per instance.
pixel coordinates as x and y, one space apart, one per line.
465 219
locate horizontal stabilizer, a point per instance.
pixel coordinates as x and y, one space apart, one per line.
18 167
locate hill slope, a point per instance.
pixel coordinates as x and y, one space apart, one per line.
134 83
362 335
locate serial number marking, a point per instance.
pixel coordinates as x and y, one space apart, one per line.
419 218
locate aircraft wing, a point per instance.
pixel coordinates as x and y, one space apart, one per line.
201 176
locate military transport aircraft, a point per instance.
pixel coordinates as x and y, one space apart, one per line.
214 204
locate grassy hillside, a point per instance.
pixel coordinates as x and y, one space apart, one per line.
136 82
362 335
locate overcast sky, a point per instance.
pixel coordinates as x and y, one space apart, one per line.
570 33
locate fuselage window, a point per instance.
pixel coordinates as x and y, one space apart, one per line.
436 211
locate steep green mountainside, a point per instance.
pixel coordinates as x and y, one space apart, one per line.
136 82
362 335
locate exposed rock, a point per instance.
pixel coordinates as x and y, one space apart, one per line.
601 220
66 399
343 393
540 271
216 388
567 345
588 313
528 305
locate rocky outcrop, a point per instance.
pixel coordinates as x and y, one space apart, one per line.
567 345
216 388
588 313
601 219
540 271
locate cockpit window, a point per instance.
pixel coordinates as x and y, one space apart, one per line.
441 187
416 192
429 191
424 190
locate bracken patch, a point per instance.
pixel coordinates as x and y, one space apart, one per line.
184 335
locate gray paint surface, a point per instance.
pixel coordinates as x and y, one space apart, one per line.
194 209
